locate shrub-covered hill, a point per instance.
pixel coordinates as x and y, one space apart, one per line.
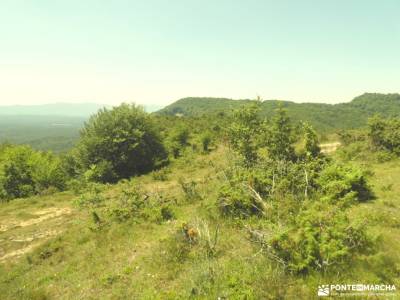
258 212
60 251
324 117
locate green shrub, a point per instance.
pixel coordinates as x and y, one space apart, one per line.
281 138
190 190
25 172
384 156
130 205
243 132
338 181
167 213
100 172
92 198
311 142
77 185
177 141
354 151
321 238
161 175
237 202
249 191
244 192
206 140
348 137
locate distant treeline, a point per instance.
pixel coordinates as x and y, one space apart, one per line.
55 133
323 117
59 133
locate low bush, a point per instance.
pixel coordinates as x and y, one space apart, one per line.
161 175
25 172
339 181
237 202
348 137
167 213
135 205
92 198
127 206
177 141
384 156
206 140
354 151
249 191
190 190
321 238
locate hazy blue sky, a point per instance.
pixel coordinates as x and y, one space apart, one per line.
154 52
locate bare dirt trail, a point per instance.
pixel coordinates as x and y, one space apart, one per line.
329 147
18 237
43 215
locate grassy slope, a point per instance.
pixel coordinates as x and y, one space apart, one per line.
26 223
142 260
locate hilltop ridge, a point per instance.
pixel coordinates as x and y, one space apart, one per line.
325 117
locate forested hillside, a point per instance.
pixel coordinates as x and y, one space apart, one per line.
56 133
324 117
52 127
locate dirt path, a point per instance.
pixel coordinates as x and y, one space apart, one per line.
18 237
43 215
329 147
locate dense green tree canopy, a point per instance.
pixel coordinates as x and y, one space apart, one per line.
385 133
119 143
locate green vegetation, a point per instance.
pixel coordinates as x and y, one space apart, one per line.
385 134
54 133
240 205
243 133
119 143
25 172
56 127
323 117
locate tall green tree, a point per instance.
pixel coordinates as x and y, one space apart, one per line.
311 141
280 144
177 140
243 132
119 143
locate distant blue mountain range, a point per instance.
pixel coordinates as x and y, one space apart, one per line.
60 109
